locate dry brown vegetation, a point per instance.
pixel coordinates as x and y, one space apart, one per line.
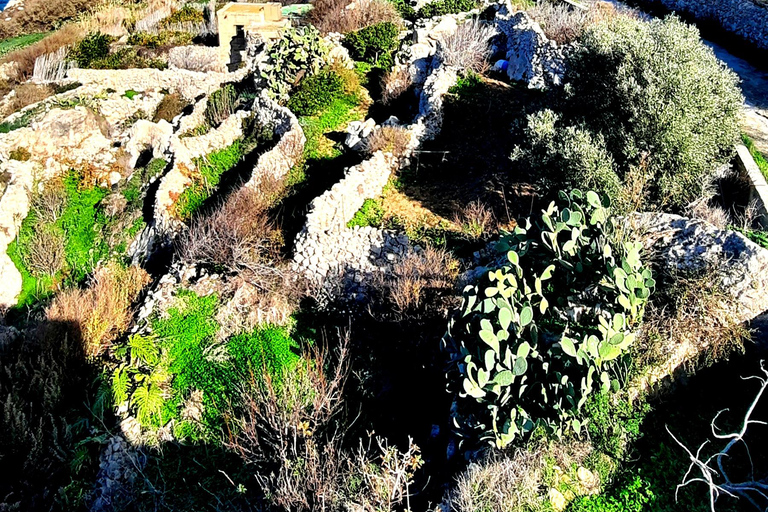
390 139
102 311
170 106
468 47
394 83
45 253
25 57
418 280
42 16
334 16
27 94
476 220
288 423
559 21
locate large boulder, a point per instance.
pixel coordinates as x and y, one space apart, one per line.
690 245
532 57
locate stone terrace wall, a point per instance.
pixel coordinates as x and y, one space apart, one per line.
747 19
276 162
189 84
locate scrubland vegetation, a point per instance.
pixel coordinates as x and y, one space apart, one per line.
501 365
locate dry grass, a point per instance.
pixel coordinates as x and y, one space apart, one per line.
42 16
560 22
390 139
239 236
27 94
170 106
704 210
111 19
469 47
48 203
394 83
336 16
25 58
417 280
476 220
45 253
289 424
193 59
102 311
499 483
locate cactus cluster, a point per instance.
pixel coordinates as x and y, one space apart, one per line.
299 51
537 335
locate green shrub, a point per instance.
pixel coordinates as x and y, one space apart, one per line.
441 7
405 9
660 99
126 58
370 214
166 37
93 47
567 157
614 421
536 336
211 168
467 86
635 496
221 104
160 373
374 44
315 93
187 14
298 51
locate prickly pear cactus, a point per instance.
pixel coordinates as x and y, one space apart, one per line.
536 336
299 51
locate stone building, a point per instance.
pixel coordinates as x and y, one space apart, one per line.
235 19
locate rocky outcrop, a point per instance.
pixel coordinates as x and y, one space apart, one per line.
146 135
740 265
14 205
738 269
532 58
119 466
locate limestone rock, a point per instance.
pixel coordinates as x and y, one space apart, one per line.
148 135
689 245
532 57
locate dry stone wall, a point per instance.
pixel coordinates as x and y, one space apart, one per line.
276 162
747 19
341 262
190 84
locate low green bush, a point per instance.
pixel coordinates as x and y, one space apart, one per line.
166 37
92 48
187 14
126 58
221 104
441 7
315 93
665 106
374 44
536 336
210 168
405 9
564 157
635 496
370 214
